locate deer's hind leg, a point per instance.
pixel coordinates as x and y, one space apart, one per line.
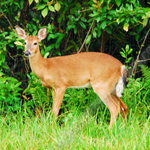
112 101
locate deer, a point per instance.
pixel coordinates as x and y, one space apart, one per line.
100 71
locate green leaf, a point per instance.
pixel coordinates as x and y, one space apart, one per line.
83 19
103 24
99 33
119 20
94 14
30 2
18 43
127 47
94 34
75 30
12 79
52 36
69 47
51 8
108 30
129 59
41 7
50 47
1 73
145 22
17 85
61 36
98 19
45 56
126 27
95 1
118 2
58 53
130 51
82 24
45 12
28 76
88 39
57 6
137 37
148 13
36 1
123 55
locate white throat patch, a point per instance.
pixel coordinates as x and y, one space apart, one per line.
31 55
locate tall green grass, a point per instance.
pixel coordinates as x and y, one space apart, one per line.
78 131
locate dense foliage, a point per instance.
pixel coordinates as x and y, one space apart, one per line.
73 26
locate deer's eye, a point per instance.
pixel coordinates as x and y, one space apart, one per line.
25 43
35 43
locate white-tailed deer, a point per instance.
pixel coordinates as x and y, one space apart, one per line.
104 73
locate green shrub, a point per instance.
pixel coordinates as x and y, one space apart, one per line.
10 96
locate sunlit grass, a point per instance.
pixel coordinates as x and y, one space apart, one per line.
78 131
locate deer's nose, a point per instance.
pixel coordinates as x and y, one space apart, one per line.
27 53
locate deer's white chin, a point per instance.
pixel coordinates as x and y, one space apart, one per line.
31 55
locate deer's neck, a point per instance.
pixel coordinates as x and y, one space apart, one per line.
37 64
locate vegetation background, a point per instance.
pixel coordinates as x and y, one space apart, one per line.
118 27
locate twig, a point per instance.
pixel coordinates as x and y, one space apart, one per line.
135 64
143 60
86 36
7 20
87 48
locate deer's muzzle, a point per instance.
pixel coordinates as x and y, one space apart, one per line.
27 53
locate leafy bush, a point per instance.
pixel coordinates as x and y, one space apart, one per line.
9 95
36 96
137 94
73 26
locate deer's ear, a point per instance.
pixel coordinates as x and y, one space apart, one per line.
42 33
21 33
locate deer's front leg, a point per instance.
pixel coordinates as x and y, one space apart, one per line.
58 95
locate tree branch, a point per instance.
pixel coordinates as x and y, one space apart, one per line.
86 36
136 62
